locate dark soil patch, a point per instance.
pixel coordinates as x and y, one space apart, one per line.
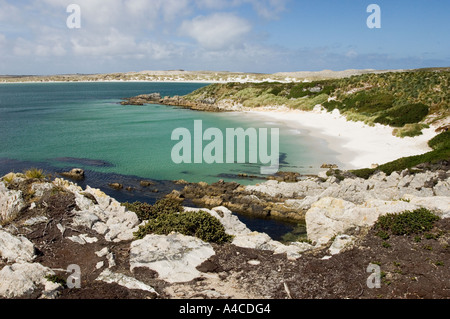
409 269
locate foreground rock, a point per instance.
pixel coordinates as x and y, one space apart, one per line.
58 225
63 241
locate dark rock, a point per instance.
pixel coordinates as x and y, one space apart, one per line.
146 183
76 173
142 99
116 186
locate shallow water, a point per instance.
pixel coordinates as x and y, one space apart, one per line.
58 126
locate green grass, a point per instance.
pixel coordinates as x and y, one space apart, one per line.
410 130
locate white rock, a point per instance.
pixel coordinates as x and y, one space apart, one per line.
330 216
100 264
100 228
254 240
11 202
61 228
35 220
84 219
254 262
111 260
83 239
438 204
21 279
40 188
103 252
442 188
174 257
51 290
341 242
15 249
123 280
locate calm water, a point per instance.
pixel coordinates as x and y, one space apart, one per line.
64 125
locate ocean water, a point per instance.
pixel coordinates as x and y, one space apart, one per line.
59 126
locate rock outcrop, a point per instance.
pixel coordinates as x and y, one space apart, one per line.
58 222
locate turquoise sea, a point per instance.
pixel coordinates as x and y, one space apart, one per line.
59 126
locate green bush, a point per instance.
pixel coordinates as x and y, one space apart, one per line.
369 102
143 211
331 105
406 223
404 114
199 224
441 141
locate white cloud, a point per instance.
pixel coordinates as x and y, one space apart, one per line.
217 31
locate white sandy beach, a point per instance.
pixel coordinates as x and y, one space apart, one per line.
358 144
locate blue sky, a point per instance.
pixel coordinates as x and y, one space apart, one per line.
264 36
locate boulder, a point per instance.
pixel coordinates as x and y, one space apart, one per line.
174 257
21 279
14 248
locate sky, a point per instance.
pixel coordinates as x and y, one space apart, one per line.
262 36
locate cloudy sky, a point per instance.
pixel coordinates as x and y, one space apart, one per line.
223 35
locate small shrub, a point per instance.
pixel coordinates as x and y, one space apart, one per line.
35 173
143 210
383 235
404 114
440 141
167 206
409 130
199 224
408 222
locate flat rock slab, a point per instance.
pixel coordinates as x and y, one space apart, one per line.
174 257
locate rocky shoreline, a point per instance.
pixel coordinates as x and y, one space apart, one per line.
49 225
206 105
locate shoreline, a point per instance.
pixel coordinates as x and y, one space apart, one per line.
359 145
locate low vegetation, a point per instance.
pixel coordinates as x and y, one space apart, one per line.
35 173
408 101
407 223
167 216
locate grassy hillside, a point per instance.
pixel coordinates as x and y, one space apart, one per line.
408 101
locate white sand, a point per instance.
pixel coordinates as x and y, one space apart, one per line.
358 144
